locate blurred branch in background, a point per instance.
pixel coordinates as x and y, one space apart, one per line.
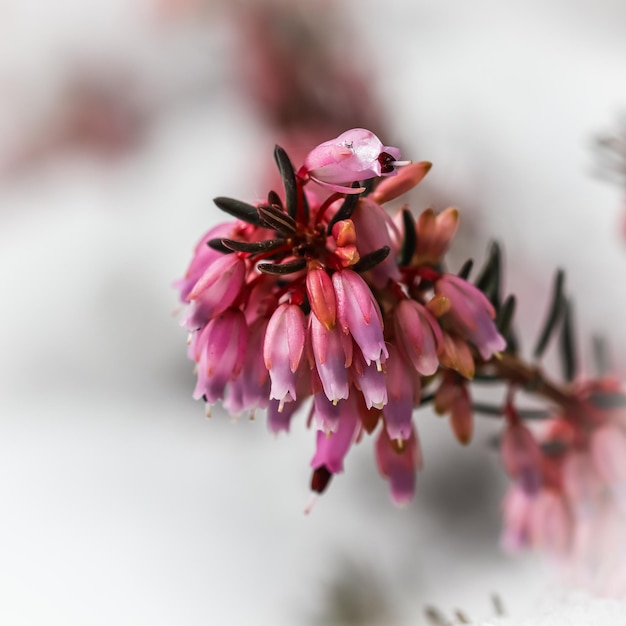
610 151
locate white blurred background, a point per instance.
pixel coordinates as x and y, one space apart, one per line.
119 122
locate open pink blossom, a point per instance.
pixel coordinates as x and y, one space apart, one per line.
542 520
282 350
419 336
332 352
398 464
216 290
251 389
402 387
355 155
359 315
220 350
203 256
371 381
373 231
471 314
332 447
521 456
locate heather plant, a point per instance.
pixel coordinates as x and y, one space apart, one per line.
318 301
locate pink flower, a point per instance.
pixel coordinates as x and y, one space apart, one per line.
359 314
372 226
332 352
371 381
355 155
419 336
216 290
279 415
521 456
332 447
219 348
402 387
398 463
282 350
251 389
608 450
541 521
471 314
203 256
326 413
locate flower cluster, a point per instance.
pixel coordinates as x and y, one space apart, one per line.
568 495
327 300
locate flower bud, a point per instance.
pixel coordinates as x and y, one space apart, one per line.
319 288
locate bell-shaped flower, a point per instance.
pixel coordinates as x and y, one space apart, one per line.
471 314
608 450
398 464
251 389
326 413
203 256
220 350
332 353
282 350
216 290
542 520
521 456
371 382
355 155
584 487
551 523
279 415
332 447
359 314
419 336
516 511
373 225
402 387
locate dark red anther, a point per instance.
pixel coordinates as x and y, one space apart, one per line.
320 479
386 162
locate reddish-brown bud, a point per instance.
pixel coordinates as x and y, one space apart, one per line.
321 293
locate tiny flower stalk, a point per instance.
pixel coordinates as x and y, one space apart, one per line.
324 301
